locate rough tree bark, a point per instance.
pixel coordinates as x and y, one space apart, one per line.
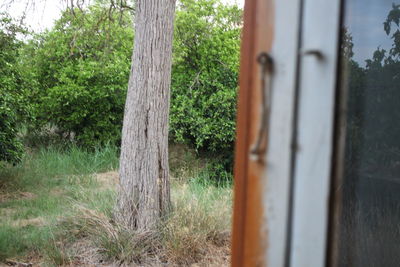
144 193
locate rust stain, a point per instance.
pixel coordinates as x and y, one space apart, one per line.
248 241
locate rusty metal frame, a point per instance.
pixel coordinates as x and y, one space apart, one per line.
262 186
247 241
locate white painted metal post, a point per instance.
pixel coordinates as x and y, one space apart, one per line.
318 65
279 156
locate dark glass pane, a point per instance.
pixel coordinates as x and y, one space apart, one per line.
369 219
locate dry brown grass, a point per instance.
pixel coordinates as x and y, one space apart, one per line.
7 196
107 180
38 221
197 233
100 242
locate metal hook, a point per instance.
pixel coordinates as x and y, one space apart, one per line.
312 52
266 62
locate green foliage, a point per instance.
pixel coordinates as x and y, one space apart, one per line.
205 74
40 189
82 68
79 71
55 200
14 107
47 167
218 170
11 148
205 81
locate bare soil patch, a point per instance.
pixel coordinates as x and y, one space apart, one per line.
4 196
108 180
7 212
57 192
39 221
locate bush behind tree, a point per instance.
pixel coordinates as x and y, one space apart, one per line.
205 80
14 106
81 69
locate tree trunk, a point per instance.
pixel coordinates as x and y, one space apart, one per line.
144 194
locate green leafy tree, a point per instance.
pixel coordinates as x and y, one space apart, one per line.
205 77
82 66
82 69
14 107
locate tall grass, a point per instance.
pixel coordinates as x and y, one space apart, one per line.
196 231
54 206
199 224
50 166
39 190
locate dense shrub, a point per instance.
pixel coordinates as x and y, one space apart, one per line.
205 80
205 74
14 107
82 68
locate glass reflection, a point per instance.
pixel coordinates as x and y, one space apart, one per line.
369 221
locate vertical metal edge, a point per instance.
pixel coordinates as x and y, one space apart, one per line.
242 142
313 162
248 243
278 176
294 137
256 238
340 122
